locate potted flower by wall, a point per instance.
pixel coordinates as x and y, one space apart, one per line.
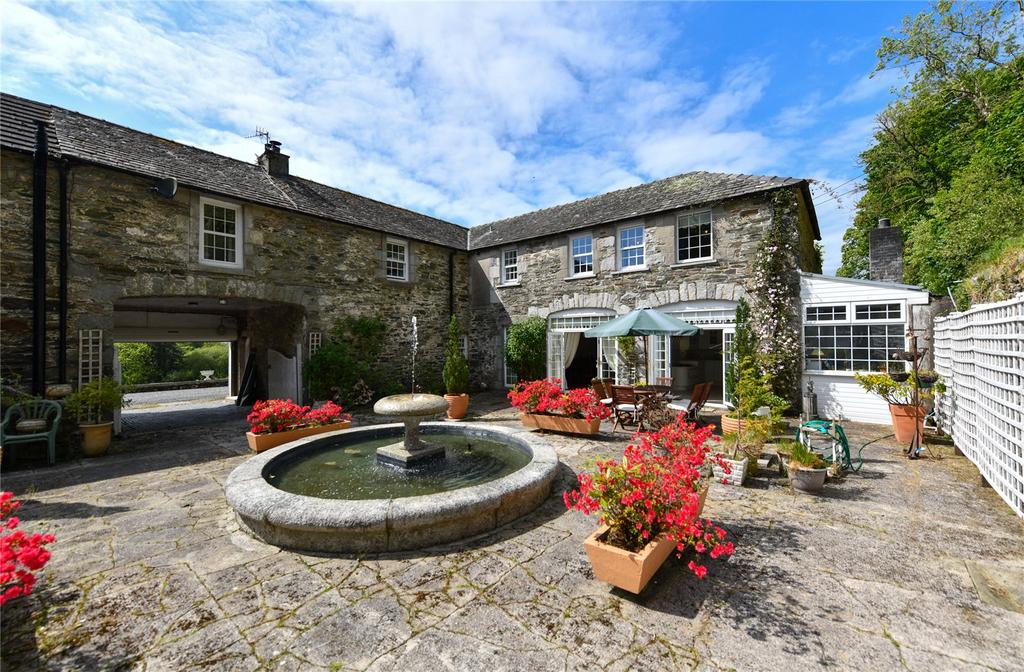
752 391
544 405
277 421
807 471
737 459
93 406
899 394
455 373
649 506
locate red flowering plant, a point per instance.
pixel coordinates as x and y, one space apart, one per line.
280 415
654 491
21 555
546 397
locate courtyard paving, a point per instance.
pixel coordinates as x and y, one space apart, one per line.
903 566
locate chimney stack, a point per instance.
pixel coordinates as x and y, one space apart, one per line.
885 250
273 161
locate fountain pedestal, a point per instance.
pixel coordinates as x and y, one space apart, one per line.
412 409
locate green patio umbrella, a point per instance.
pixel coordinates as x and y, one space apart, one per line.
642 322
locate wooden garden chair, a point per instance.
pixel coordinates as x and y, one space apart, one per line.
624 406
698 397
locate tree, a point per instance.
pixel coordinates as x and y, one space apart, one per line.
345 369
456 371
138 363
526 348
947 165
744 347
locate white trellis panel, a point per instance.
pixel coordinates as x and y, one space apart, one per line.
90 355
316 339
980 355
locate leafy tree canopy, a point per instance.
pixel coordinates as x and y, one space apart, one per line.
947 165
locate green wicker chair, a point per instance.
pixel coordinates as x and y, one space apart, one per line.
39 420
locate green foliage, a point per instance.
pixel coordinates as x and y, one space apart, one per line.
999 275
744 346
202 357
171 362
803 456
754 390
900 394
948 160
345 368
632 358
456 371
138 363
526 348
95 401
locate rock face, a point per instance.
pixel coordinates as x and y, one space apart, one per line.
300 273
545 286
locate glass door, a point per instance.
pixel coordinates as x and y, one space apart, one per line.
727 363
556 357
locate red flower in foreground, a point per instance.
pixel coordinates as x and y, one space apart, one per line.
655 491
20 554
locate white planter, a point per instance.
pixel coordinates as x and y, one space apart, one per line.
737 469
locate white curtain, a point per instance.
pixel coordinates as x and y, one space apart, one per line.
571 341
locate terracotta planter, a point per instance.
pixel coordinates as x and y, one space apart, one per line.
731 425
96 438
703 497
807 480
260 442
560 423
457 405
625 569
903 422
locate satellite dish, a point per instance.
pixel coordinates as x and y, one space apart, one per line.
166 187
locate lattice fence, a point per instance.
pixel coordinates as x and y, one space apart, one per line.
980 355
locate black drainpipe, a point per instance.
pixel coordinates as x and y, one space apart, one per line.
39 261
451 284
62 268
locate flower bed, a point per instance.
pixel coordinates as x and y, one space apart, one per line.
277 421
544 405
653 494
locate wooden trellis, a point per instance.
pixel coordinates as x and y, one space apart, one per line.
980 355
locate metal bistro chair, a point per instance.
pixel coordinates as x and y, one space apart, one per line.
33 420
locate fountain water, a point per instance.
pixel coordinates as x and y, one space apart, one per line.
415 347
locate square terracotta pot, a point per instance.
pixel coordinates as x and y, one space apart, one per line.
260 442
626 569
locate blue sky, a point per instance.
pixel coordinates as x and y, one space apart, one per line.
473 112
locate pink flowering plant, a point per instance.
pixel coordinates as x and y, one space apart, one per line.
654 491
21 554
546 397
281 415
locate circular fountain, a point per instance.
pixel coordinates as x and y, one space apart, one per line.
384 488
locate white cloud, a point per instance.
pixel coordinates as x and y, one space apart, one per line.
871 85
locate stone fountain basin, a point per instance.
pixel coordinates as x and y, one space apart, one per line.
306 523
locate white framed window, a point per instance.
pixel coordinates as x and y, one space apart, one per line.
853 337
396 259
694 237
581 252
509 376
220 233
510 266
631 247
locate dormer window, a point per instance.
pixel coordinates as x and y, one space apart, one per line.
220 236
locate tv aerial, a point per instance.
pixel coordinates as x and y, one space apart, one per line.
261 133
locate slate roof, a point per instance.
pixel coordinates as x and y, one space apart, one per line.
688 189
100 142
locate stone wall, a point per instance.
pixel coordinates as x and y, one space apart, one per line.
545 286
128 242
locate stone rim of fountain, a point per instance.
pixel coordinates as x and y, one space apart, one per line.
309 523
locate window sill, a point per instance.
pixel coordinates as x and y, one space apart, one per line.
635 269
580 276
403 281
694 262
505 285
834 374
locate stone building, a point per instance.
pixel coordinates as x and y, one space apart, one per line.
685 245
151 240
147 239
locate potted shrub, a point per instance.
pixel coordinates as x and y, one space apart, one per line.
735 466
277 421
753 391
899 394
807 471
543 404
455 373
93 407
649 505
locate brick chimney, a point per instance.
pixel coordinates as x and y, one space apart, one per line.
273 161
885 250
